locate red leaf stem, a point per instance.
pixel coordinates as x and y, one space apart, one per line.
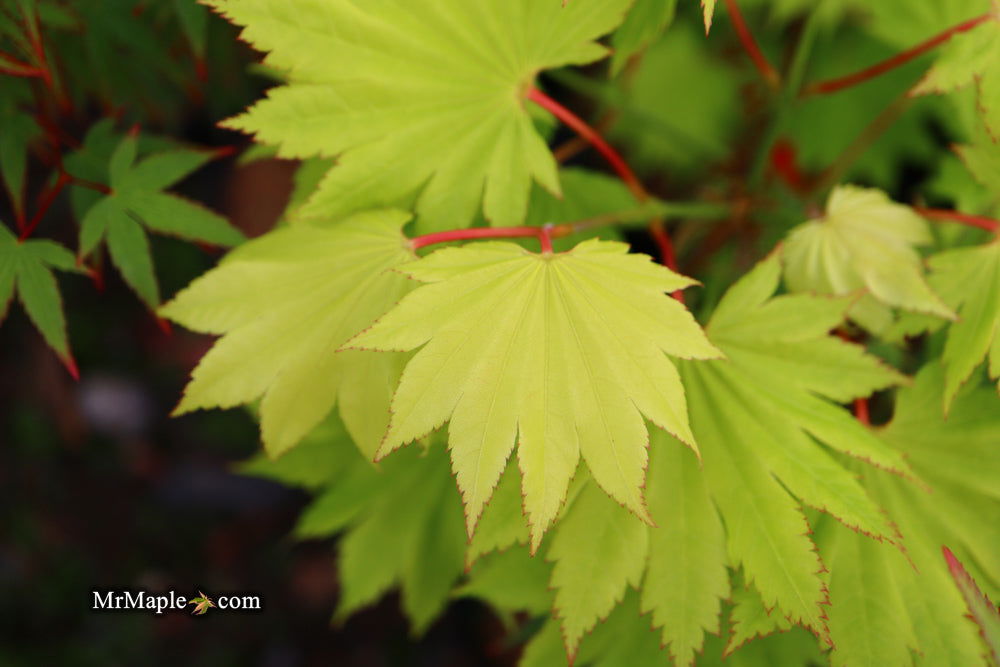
44 203
840 83
861 411
989 224
592 136
14 67
544 234
667 255
760 61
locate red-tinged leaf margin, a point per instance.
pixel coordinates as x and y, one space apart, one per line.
982 611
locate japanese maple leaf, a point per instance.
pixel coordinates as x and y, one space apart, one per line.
864 241
137 203
202 604
283 303
984 612
401 522
766 424
421 99
565 353
971 58
26 270
887 605
971 277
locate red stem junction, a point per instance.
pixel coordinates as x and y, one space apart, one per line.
618 164
840 83
544 234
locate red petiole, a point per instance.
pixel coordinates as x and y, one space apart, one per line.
840 83
760 61
594 138
544 234
989 224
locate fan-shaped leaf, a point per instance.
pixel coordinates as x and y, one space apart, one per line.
26 270
564 351
136 202
284 303
427 98
864 241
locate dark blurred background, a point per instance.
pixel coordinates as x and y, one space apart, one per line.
101 489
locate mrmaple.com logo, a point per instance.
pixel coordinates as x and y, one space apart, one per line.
160 602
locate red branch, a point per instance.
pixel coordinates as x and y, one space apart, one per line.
44 204
760 61
989 224
833 85
578 125
667 255
14 67
544 234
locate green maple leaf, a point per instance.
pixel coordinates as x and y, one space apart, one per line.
136 203
598 550
885 604
401 521
758 417
19 131
283 304
686 578
983 611
970 279
564 352
971 58
865 241
26 270
903 24
750 618
645 21
316 463
410 534
427 99
511 580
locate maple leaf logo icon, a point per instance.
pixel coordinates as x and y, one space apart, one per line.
201 603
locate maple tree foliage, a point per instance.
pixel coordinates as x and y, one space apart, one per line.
750 449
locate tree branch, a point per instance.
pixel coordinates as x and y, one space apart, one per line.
594 138
840 83
989 224
760 61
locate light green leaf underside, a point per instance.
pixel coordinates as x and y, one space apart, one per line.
758 432
26 271
511 581
976 334
686 578
751 619
865 241
889 610
598 549
565 353
982 609
284 304
427 98
410 535
868 619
